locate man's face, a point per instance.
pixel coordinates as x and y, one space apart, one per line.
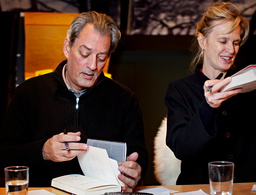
86 58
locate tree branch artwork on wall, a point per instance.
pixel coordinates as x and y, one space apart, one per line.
144 17
175 17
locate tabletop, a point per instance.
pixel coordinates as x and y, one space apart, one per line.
239 188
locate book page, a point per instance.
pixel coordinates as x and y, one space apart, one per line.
115 150
116 171
79 181
82 185
95 163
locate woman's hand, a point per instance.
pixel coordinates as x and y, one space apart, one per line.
213 94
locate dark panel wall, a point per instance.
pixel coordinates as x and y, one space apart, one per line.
148 72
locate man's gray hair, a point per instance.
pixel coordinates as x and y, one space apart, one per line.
102 23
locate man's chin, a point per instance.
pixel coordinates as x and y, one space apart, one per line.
88 85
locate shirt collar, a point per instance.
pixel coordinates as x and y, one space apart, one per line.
77 94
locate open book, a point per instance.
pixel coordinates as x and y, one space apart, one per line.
245 79
100 174
115 150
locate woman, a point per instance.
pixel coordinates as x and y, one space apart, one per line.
205 124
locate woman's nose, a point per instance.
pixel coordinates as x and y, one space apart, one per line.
230 48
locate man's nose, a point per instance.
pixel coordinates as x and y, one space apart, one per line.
92 63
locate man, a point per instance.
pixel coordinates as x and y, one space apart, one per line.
79 99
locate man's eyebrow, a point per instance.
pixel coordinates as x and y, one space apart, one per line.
84 46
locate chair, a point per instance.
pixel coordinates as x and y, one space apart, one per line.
166 165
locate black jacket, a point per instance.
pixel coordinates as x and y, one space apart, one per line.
43 107
198 133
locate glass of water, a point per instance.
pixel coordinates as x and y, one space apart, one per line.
16 180
221 175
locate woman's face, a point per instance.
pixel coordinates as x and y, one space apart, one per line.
219 48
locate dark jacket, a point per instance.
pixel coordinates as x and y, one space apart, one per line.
198 133
43 107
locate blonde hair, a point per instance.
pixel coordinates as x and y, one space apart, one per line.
215 14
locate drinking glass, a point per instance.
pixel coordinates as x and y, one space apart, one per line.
221 175
16 180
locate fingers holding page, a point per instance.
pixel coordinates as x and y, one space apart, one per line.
215 96
216 85
131 172
63 147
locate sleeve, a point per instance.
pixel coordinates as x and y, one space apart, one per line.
190 121
134 132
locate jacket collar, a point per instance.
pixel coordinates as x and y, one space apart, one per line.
57 74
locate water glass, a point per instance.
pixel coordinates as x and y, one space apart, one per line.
221 175
16 180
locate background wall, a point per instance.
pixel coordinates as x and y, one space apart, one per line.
147 68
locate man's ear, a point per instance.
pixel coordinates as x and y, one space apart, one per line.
66 47
201 40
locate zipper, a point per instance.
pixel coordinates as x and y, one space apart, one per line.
77 113
77 103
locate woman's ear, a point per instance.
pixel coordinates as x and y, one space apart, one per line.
201 40
66 47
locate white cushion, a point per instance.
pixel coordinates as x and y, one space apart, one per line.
166 165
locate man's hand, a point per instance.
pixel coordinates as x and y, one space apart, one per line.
131 172
54 149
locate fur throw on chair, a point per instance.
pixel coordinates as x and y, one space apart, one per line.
166 165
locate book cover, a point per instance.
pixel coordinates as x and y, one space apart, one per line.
115 150
245 79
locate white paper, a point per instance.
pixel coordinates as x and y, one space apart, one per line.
40 192
158 191
199 192
254 187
